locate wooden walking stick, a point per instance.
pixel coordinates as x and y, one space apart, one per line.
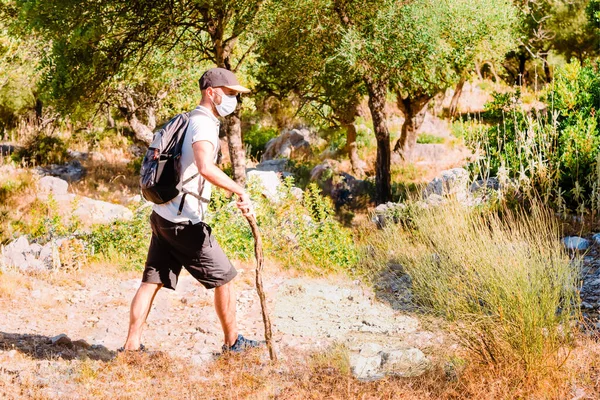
258 253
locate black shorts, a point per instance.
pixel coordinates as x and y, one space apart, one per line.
192 246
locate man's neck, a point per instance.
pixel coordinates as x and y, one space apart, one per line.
206 103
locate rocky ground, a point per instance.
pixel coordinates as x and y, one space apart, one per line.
48 321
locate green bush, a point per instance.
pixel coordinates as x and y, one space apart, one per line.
297 232
123 242
553 152
42 149
426 138
257 138
503 280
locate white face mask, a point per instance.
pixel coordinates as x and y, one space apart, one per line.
227 106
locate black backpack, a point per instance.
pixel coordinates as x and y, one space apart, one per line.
161 168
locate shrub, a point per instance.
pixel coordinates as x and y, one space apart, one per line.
553 152
42 149
123 242
503 279
298 232
257 138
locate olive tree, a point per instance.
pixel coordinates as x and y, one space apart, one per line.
296 52
97 43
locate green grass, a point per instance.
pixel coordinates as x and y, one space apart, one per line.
426 138
503 279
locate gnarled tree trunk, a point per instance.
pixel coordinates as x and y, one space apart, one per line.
413 109
128 109
237 153
377 91
456 96
346 118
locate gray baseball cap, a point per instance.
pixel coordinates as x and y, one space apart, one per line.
221 77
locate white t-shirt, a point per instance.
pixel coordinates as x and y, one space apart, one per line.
203 125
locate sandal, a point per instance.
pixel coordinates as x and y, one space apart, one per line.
142 349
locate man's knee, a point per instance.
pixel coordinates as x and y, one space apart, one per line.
149 287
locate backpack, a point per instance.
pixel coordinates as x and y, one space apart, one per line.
160 173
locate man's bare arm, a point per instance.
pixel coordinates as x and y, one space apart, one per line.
203 156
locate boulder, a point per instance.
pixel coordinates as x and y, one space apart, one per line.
70 172
269 181
366 365
292 143
405 363
374 362
61 340
387 213
576 243
453 182
491 183
343 188
100 212
277 165
54 185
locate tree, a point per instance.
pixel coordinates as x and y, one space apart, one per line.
451 36
416 49
546 26
96 42
296 49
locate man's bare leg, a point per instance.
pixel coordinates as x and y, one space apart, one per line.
225 307
140 308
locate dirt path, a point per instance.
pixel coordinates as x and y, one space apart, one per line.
307 313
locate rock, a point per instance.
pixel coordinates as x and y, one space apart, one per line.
343 188
435 200
387 213
135 199
576 243
596 238
70 172
324 170
61 340
54 185
100 212
277 165
367 363
452 182
268 179
370 349
290 144
405 363
82 344
20 245
13 259
491 183
13 254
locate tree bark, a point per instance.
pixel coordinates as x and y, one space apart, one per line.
377 90
413 109
522 70
128 109
456 96
233 123
346 118
237 154
140 131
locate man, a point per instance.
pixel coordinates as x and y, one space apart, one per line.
179 235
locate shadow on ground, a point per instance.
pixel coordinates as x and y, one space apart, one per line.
50 348
393 286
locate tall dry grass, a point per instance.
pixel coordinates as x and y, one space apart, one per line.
504 280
